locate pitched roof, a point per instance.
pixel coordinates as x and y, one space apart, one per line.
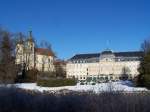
117 54
43 51
60 62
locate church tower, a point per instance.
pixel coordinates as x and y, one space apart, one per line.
20 50
30 43
30 51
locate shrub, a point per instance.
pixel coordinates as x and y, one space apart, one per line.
82 83
55 82
147 80
46 75
28 76
93 83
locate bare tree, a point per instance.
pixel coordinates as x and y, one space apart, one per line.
145 46
59 68
7 61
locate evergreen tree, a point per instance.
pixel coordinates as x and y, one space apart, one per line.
144 69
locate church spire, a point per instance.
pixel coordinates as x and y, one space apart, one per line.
30 33
30 36
20 39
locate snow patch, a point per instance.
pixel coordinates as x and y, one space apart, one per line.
124 86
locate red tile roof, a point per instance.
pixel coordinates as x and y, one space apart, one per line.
44 51
60 62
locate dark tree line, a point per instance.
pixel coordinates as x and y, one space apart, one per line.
8 69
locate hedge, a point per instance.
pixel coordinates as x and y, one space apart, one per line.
54 82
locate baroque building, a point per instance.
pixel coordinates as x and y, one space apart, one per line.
107 65
30 57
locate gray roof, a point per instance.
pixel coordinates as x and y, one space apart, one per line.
86 56
117 54
129 54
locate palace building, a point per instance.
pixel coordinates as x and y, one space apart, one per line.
31 57
105 65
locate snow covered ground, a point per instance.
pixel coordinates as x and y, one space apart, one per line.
123 86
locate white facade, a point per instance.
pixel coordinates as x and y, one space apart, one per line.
44 62
106 64
30 57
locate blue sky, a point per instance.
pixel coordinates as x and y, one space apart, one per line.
80 26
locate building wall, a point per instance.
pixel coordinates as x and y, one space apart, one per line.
44 63
27 55
113 68
19 53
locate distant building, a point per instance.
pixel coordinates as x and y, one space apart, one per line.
31 57
105 65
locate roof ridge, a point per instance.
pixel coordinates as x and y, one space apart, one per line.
87 53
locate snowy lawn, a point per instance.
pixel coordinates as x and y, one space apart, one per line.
122 86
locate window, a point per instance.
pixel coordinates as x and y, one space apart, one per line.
80 77
87 69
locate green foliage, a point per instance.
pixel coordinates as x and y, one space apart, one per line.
147 80
93 83
54 82
82 83
60 72
27 76
89 79
144 69
46 75
31 75
144 78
